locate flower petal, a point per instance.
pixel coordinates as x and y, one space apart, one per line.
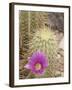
37 58
27 66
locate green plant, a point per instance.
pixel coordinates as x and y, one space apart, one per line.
45 41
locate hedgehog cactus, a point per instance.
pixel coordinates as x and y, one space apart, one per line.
44 40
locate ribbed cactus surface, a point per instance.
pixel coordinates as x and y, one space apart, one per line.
44 40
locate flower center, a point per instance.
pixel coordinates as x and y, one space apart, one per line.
38 66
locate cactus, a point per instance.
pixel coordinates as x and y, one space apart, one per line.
45 41
30 22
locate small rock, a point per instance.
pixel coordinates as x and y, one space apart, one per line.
57 73
58 56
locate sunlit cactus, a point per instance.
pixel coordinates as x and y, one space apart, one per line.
44 40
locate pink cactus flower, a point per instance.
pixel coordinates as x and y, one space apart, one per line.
37 63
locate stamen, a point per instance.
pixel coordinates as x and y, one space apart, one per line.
38 66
